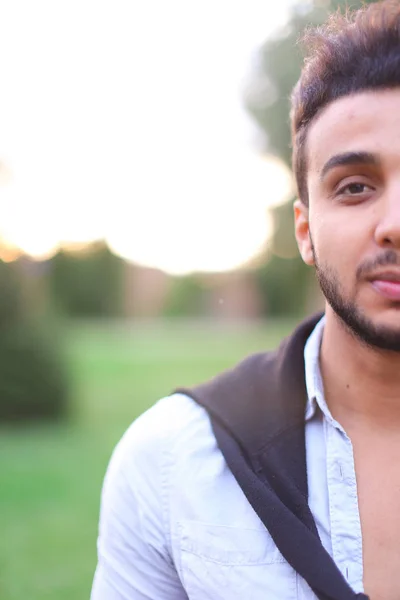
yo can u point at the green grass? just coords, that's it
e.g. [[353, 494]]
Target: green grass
[[51, 476]]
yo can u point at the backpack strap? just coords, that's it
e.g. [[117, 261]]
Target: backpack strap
[[257, 415]]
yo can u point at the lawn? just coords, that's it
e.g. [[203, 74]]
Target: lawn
[[50, 476]]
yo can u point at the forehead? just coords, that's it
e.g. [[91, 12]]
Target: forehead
[[367, 121]]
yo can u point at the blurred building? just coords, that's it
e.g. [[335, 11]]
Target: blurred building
[[234, 295], [145, 291]]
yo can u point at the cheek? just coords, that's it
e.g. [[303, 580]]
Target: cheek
[[342, 241], [336, 244]]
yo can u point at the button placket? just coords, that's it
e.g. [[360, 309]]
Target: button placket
[[343, 506]]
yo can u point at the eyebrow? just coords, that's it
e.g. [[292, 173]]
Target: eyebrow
[[349, 158]]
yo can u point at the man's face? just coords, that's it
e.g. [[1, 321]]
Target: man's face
[[351, 230]]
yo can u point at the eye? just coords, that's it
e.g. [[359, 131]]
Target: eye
[[354, 189]]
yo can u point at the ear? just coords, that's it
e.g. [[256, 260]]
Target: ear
[[302, 231]]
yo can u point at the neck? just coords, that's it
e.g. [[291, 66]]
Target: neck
[[361, 384]]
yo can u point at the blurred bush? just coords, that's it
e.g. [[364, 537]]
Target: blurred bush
[[283, 280], [33, 374], [185, 297], [87, 283], [286, 294]]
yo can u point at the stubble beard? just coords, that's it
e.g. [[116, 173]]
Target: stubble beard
[[351, 316]]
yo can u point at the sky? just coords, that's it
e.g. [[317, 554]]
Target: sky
[[123, 120]]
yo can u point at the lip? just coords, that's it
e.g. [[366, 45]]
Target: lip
[[387, 284], [393, 275]]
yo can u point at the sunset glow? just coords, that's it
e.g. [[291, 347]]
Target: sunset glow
[[150, 150]]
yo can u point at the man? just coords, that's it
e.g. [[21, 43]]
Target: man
[[177, 522]]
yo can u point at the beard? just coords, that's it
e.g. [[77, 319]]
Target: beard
[[350, 314]]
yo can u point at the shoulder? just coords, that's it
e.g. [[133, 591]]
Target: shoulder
[[169, 418], [164, 434], [152, 459], [135, 545]]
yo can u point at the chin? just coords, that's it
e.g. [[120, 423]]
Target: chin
[[381, 333], [377, 329]]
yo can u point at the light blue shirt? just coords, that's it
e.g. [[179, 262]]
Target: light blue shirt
[[175, 525]]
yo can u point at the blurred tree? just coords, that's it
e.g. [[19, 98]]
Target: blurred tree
[[268, 101], [185, 298], [87, 283], [280, 61], [33, 377], [283, 279], [11, 299], [282, 295]]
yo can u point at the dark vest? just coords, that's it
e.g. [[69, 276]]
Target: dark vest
[[257, 415]]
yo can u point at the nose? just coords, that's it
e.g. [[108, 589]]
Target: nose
[[387, 231]]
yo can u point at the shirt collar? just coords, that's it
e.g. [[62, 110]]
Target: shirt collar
[[314, 383]]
